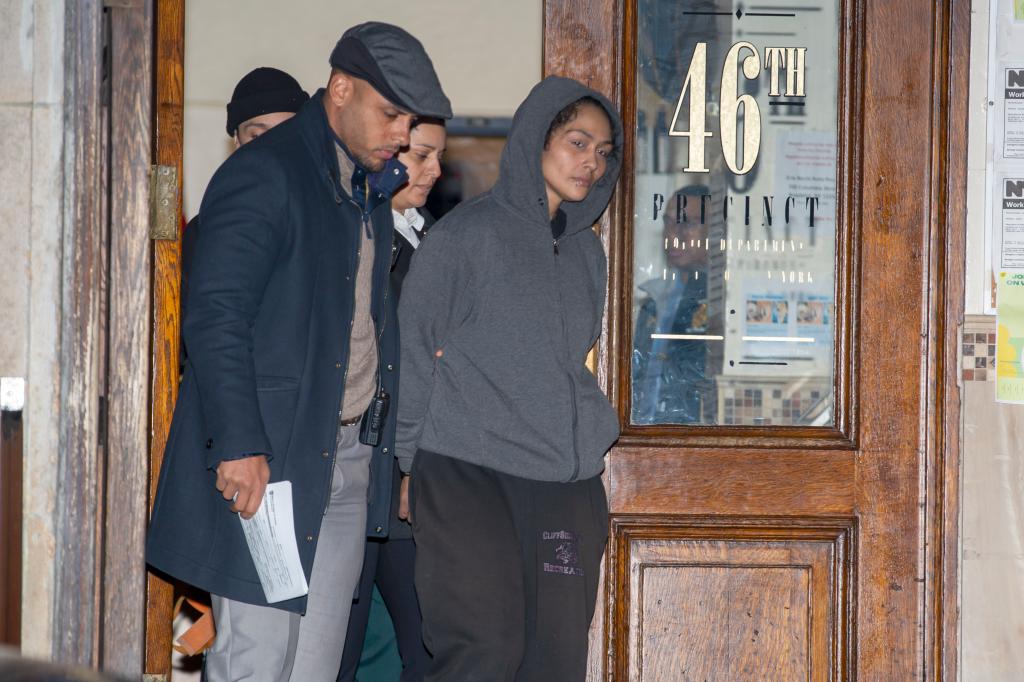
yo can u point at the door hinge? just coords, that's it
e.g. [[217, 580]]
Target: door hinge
[[163, 202]]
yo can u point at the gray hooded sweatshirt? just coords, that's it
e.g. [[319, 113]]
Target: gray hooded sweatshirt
[[514, 314]]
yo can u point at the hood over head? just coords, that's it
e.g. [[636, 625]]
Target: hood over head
[[521, 183]]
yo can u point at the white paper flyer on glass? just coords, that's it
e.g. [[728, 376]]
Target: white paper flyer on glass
[[1011, 223], [1013, 112]]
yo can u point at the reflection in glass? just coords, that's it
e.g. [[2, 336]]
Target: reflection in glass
[[734, 212], [671, 377]]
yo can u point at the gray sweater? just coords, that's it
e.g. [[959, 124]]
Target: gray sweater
[[514, 315]]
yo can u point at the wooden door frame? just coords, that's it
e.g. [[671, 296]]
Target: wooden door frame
[[77, 584], [941, 640], [102, 420], [583, 39], [168, 150]]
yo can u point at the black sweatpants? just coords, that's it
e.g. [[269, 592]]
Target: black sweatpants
[[506, 571]]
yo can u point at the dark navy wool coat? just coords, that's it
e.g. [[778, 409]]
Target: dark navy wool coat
[[270, 306]]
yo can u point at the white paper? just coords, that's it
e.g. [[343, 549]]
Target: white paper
[[1011, 251], [1013, 112], [270, 534]]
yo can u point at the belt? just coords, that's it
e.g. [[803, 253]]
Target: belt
[[351, 422]]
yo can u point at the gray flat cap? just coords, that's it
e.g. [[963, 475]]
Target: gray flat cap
[[395, 64]]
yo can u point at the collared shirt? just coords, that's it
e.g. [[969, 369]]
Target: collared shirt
[[409, 224]]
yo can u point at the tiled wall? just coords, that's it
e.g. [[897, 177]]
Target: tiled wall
[[978, 354], [31, 220]]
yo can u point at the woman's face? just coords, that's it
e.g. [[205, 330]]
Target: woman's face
[[577, 155], [422, 159]]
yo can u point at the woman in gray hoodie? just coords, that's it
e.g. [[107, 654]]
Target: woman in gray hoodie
[[501, 424]]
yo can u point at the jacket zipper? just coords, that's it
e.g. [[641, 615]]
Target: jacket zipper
[[572, 389], [384, 303], [384, 299], [381, 328]]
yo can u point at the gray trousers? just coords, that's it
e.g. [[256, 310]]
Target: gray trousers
[[264, 644]]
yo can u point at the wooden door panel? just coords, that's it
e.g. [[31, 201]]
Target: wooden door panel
[[742, 598], [695, 481], [688, 618]]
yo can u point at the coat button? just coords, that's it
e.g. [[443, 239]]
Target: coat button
[[384, 450], [379, 529], [391, 368], [324, 454], [209, 443], [309, 538], [337, 365]]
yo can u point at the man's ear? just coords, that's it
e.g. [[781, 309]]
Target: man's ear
[[340, 88]]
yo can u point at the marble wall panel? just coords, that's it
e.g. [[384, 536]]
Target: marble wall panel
[[992, 522], [16, 152], [31, 218], [17, 29]]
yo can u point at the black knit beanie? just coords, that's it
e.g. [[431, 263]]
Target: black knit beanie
[[263, 91]]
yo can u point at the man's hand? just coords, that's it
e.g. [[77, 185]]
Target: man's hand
[[403, 500], [247, 478]]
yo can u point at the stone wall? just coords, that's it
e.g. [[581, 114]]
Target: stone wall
[[31, 216]]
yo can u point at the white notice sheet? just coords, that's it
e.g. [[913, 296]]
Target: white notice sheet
[[1011, 251], [270, 534], [1013, 113]]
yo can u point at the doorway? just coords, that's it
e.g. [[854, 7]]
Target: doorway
[[788, 503]]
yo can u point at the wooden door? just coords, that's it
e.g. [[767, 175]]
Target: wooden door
[[771, 548]]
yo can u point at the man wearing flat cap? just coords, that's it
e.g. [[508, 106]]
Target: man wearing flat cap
[[293, 358]]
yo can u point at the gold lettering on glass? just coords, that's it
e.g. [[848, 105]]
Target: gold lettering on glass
[[734, 240]]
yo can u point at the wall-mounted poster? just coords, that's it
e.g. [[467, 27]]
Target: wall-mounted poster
[[1011, 224], [1013, 112], [1010, 338]]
